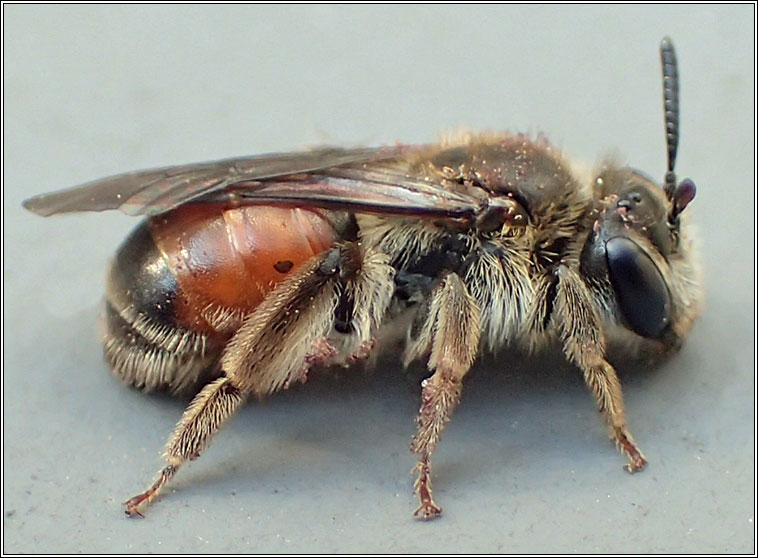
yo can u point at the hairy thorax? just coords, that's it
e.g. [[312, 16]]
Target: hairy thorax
[[508, 267]]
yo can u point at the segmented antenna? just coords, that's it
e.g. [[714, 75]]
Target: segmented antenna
[[671, 110]]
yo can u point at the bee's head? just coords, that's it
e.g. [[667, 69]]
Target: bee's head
[[633, 204], [638, 253]]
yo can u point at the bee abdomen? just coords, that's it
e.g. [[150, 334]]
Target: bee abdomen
[[183, 282], [144, 343], [147, 365]]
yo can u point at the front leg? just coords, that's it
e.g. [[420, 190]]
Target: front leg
[[450, 330], [584, 345]]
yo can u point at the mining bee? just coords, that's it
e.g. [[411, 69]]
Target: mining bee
[[247, 272]]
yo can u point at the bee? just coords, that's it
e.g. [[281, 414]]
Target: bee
[[248, 272]]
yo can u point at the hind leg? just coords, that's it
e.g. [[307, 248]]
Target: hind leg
[[272, 347]]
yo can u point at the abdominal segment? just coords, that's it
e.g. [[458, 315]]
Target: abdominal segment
[[182, 282]]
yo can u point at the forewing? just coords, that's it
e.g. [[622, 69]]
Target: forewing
[[379, 188], [154, 191]]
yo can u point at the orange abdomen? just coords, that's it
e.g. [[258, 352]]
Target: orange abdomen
[[182, 282], [225, 261]]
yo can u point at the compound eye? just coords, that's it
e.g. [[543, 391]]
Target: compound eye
[[641, 292]]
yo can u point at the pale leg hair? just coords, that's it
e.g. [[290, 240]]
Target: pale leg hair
[[271, 349], [450, 332], [584, 345]]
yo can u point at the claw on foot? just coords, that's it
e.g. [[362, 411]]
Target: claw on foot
[[132, 505], [637, 464], [427, 508], [637, 461]]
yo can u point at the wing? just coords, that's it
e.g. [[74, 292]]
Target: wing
[[157, 190], [368, 180], [386, 187]]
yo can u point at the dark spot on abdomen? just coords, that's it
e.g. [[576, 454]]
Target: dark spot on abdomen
[[283, 266]]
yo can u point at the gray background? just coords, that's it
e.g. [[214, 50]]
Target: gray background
[[525, 465]]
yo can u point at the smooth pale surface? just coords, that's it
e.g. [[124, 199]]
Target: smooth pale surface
[[525, 465]]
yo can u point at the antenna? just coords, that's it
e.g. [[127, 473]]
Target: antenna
[[670, 110]]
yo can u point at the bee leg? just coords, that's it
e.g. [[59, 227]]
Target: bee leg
[[363, 351], [267, 353], [584, 345], [215, 403], [322, 354], [451, 333]]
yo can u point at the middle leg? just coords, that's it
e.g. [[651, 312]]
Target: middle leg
[[450, 331]]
